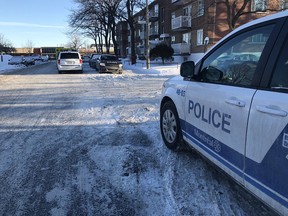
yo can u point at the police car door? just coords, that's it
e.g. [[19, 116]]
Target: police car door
[[267, 136], [217, 105]]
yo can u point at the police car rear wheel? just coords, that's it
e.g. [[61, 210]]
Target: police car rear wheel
[[170, 126]]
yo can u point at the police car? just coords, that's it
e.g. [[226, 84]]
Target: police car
[[232, 107]]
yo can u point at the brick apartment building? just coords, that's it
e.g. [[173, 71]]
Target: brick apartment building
[[190, 26]]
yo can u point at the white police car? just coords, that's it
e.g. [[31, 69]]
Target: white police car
[[232, 107]]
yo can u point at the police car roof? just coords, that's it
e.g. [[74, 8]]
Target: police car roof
[[264, 19], [254, 22]]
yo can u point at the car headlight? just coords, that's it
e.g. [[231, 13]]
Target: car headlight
[[120, 65], [102, 64]]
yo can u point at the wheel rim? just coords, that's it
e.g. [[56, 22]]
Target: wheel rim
[[169, 126]]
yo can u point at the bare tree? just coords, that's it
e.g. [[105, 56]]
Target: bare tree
[[29, 47], [84, 19], [96, 19], [75, 41], [5, 45], [127, 12]]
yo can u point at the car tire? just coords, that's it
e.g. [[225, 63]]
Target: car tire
[[59, 72], [170, 127]]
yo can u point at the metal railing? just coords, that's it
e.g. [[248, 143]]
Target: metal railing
[[181, 22], [181, 48]]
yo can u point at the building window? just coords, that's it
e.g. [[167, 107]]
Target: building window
[[259, 5], [200, 37], [173, 39], [156, 27], [283, 5], [156, 9], [187, 11], [200, 8], [173, 15], [162, 30], [162, 14], [186, 38]]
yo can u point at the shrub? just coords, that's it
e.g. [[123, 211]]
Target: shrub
[[162, 50]]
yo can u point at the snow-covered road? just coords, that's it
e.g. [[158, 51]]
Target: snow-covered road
[[89, 144]]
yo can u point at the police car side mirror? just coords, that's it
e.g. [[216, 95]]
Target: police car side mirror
[[211, 74], [187, 69]]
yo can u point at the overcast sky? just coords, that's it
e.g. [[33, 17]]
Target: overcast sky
[[44, 22]]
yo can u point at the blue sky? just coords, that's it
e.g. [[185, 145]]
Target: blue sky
[[44, 22]]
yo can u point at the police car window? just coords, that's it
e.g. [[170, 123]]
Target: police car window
[[235, 62], [280, 75]]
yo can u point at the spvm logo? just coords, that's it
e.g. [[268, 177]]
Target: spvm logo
[[285, 140]]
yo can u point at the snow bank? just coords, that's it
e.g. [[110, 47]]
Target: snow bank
[[5, 67], [4, 59], [156, 68]]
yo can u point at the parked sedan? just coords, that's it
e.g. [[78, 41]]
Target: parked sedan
[[93, 59], [28, 60], [109, 63], [25, 60], [16, 60]]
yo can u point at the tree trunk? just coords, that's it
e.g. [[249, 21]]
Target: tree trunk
[[133, 48], [130, 20]]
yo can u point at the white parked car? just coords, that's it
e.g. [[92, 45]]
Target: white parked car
[[232, 107], [69, 61]]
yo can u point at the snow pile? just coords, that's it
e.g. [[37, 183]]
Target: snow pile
[[156, 68], [5, 67], [4, 59]]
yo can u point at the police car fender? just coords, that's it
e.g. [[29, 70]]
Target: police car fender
[[175, 90]]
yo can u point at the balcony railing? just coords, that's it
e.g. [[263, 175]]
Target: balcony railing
[[179, 2], [181, 23], [181, 48], [153, 32], [153, 16]]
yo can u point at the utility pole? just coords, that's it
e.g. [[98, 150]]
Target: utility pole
[[147, 37]]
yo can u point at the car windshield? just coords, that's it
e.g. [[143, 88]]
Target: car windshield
[[108, 57], [69, 56]]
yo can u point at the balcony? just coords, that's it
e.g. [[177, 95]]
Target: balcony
[[179, 2], [153, 16], [181, 48], [153, 34], [181, 23]]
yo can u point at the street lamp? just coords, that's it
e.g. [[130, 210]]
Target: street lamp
[[147, 37]]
